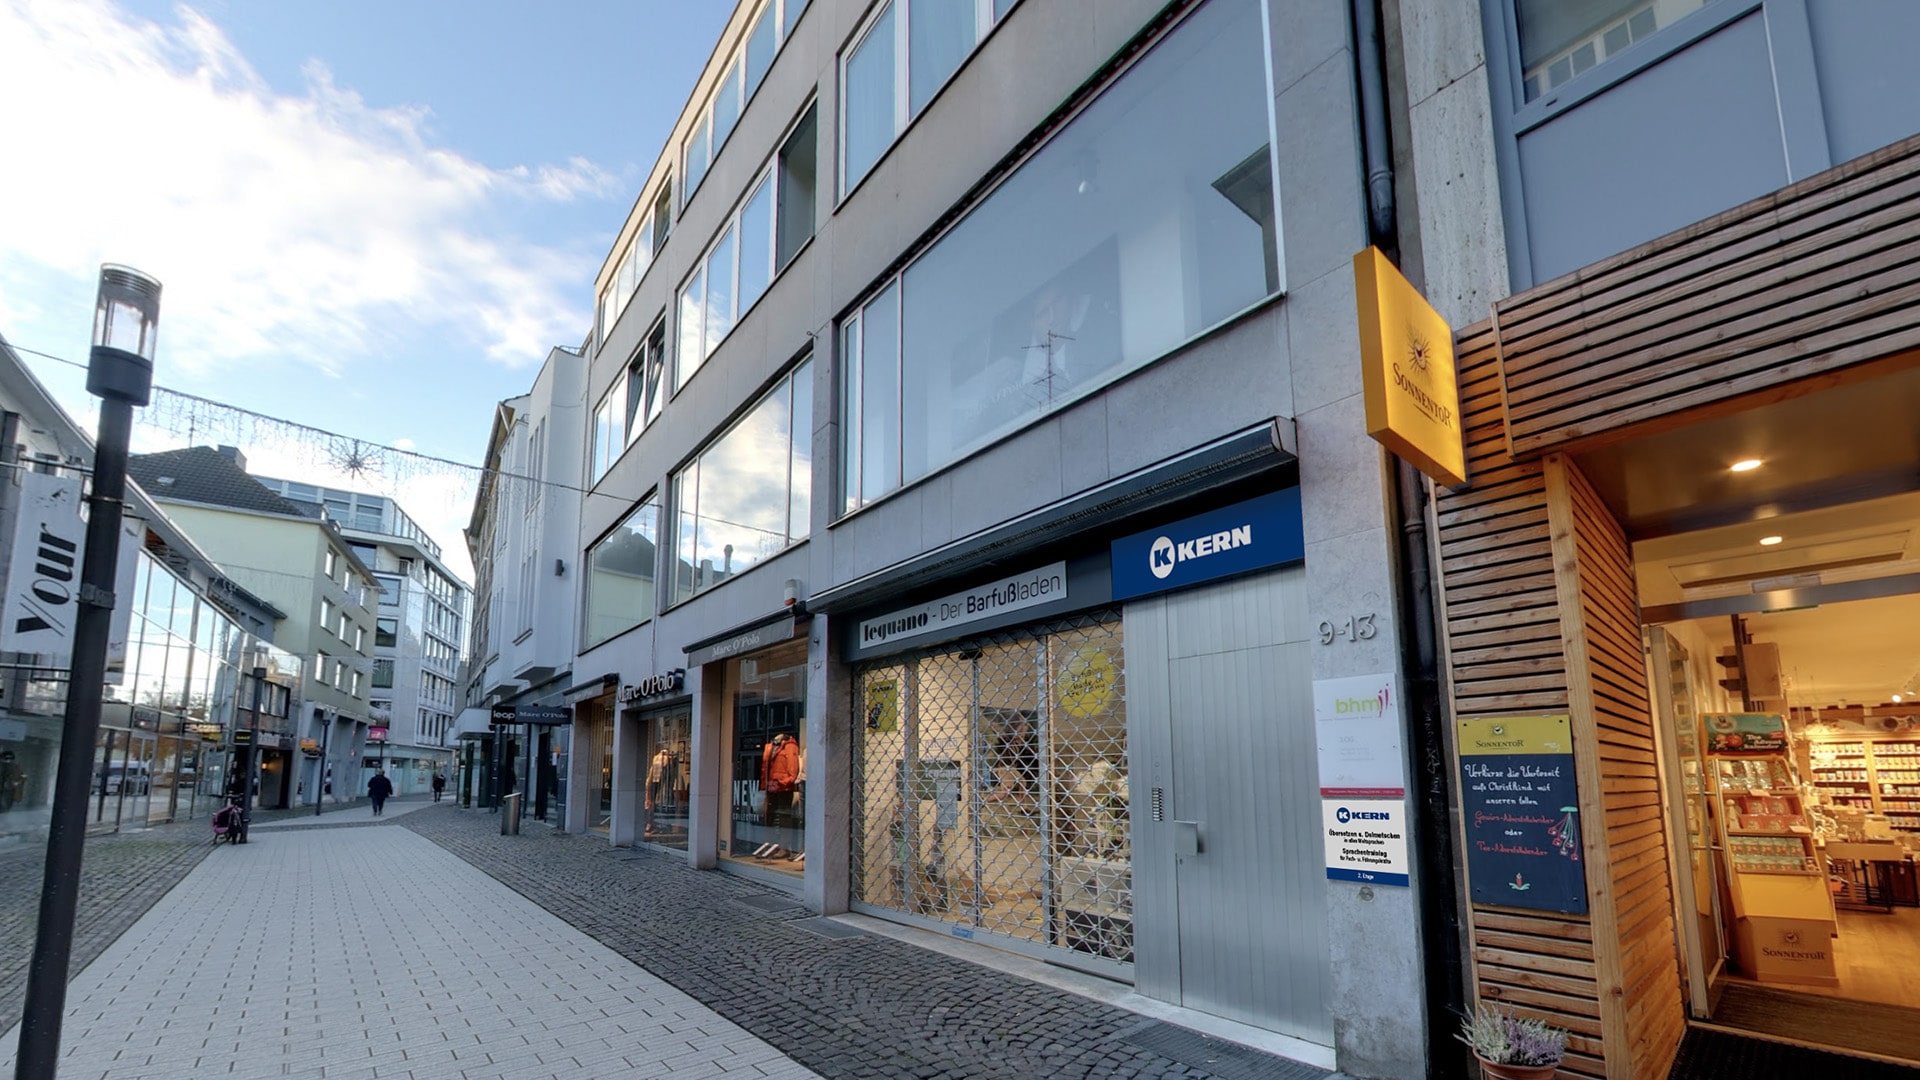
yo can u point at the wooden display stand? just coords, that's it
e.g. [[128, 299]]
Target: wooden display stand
[[1784, 923]]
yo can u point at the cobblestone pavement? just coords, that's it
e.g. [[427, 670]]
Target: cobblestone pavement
[[371, 953], [122, 875], [867, 1006]]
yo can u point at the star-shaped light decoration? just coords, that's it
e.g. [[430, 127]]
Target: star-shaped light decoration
[[353, 457]]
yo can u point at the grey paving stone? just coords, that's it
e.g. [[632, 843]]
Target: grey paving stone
[[868, 1006]]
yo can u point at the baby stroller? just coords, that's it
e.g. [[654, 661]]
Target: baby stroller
[[230, 823]]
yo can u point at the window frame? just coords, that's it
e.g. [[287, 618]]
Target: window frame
[[736, 68], [653, 497], [786, 377], [985, 21], [850, 368], [732, 226]]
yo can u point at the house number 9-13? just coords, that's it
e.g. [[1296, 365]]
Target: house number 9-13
[[1357, 628]]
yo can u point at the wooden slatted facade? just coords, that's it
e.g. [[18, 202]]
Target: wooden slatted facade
[[1814, 280], [1813, 286]]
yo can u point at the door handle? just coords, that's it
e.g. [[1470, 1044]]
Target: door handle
[[1186, 838]]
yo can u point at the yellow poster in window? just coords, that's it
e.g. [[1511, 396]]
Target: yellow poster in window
[[1086, 686]]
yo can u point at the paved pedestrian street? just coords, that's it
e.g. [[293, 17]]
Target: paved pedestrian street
[[372, 953], [427, 946]]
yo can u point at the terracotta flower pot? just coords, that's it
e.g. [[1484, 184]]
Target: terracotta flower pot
[[1496, 1071]]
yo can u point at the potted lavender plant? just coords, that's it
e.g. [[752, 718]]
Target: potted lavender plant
[[1512, 1047]]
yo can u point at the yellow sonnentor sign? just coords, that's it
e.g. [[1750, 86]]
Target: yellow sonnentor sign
[[1406, 362]]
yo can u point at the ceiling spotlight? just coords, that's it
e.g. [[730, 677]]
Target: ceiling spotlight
[[1748, 465], [1769, 541], [1896, 699]]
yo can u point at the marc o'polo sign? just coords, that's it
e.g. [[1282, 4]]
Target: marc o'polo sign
[[1251, 535], [1407, 371], [1045, 585]]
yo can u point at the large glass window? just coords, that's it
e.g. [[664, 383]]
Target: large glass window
[[741, 265], [736, 500], [868, 100], [665, 800], [767, 771], [798, 167], [610, 427], [1146, 220], [386, 633], [1560, 39], [920, 43], [620, 574], [745, 70]]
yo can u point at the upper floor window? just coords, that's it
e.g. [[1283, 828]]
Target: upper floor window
[[333, 564], [902, 57], [1560, 39], [620, 574], [389, 589], [761, 236], [1147, 219], [748, 495], [744, 72], [633, 401], [634, 260]]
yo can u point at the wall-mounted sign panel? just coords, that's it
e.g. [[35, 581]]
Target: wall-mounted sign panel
[[1357, 723], [1522, 813], [1366, 840], [1407, 370], [938, 618], [1252, 535]]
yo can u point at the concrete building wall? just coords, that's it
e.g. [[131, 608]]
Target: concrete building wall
[[1293, 357]]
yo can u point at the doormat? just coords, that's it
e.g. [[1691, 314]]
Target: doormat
[[1886, 1030], [1218, 1057], [1706, 1054]]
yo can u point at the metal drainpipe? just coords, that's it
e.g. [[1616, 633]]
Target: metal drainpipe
[[1440, 930]]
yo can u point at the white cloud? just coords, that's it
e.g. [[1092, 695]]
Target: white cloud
[[312, 224]]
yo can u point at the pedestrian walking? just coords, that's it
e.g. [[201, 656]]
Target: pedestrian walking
[[439, 785], [378, 788]]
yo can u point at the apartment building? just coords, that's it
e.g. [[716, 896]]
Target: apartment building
[[979, 500]]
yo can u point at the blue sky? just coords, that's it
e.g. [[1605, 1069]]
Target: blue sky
[[370, 217]]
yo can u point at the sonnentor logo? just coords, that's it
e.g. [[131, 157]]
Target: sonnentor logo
[[1344, 815], [1160, 559], [1164, 553]]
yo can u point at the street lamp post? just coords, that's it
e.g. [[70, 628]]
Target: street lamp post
[[119, 373]]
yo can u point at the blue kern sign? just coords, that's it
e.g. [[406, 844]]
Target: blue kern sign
[[1261, 532]]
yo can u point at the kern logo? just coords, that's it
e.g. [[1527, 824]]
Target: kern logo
[[1165, 554], [1345, 815]]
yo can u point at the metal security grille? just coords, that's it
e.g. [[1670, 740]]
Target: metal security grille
[[990, 786]]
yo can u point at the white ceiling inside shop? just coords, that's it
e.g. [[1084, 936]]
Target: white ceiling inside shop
[[1838, 484]]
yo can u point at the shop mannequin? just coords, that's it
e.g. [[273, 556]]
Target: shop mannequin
[[780, 775]]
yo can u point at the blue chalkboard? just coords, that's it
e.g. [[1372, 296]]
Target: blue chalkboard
[[1523, 831]]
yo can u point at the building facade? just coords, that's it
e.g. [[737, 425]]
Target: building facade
[[305, 566], [524, 539], [419, 631], [979, 500], [1674, 238], [180, 646]]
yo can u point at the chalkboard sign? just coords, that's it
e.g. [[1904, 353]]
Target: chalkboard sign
[[1522, 812]]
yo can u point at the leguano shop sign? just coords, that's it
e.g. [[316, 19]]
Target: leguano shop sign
[[1046, 585]]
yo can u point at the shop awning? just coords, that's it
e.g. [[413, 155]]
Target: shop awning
[[1266, 447], [771, 629]]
